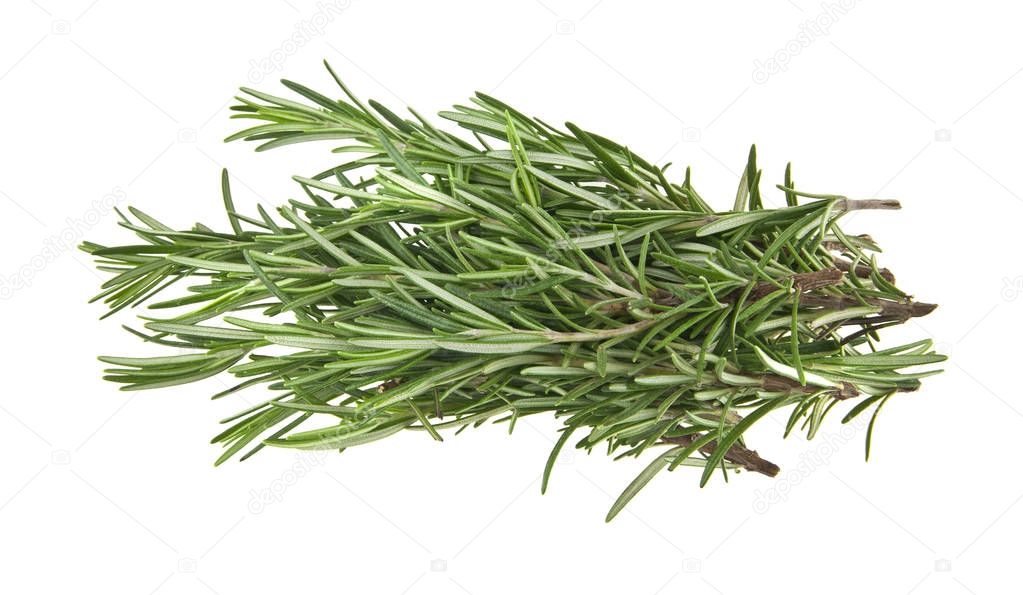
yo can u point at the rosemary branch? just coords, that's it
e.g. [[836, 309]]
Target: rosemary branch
[[433, 280]]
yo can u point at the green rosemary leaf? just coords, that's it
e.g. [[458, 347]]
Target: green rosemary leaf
[[844, 314], [730, 222], [209, 265], [571, 190], [399, 160], [225, 184], [876, 360], [797, 361], [152, 362], [453, 300], [341, 437], [392, 118], [641, 480], [194, 330], [306, 342], [425, 422], [329, 247], [791, 373], [870, 426], [566, 433]]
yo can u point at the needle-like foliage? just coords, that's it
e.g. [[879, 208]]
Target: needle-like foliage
[[434, 280]]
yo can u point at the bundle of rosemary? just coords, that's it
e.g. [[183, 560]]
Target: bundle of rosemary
[[435, 281]]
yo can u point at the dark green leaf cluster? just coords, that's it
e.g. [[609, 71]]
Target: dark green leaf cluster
[[433, 280]]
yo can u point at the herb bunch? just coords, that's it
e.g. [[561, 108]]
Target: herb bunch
[[434, 280]]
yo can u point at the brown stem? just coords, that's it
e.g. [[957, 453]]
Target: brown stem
[[899, 310], [387, 385], [773, 383], [737, 453], [850, 204], [801, 281], [837, 246], [863, 271]]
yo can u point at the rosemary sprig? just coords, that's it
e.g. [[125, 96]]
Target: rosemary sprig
[[433, 281]]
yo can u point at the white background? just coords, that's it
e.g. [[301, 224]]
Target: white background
[[104, 491]]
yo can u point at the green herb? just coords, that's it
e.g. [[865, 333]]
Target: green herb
[[434, 280]]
